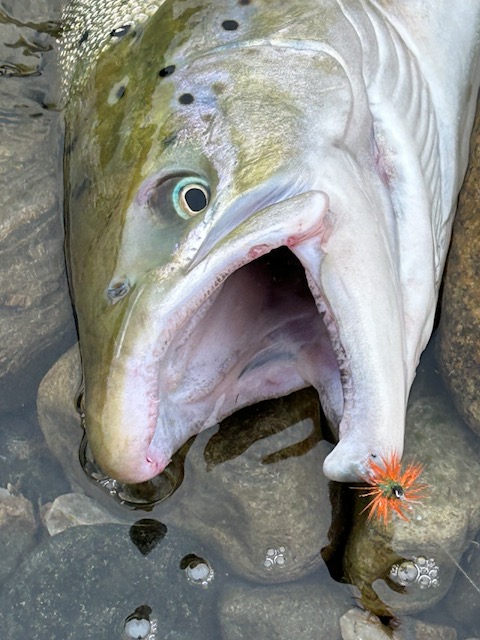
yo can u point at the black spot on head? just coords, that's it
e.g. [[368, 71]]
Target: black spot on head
[[121, 91], [84, 38], [119, 32], [243, 1], [169, 140], [166, 71], [186, 98], [230, 25]]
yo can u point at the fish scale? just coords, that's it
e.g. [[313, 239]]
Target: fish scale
[[88, 28]]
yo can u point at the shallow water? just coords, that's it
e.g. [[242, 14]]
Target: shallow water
[[240, 548]]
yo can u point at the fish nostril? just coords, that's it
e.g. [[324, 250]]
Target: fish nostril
[[118, 289]]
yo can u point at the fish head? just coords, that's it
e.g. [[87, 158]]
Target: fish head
[[229, 241]]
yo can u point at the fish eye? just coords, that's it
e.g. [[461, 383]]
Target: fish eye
[[190, 197]]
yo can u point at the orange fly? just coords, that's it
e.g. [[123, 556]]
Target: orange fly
[[392, 490]]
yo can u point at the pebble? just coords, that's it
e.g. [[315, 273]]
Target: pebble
[[302, 611], [73, 510]]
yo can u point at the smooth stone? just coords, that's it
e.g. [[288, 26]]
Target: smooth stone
[[439, 527], [357, 624], [26, 460], [425, 631], [463, 602], [304, 612], [58, 417], [36, 320], [460, 317], [37, 11], [74, 510], [255, 491], [17, 530], [87, 582]]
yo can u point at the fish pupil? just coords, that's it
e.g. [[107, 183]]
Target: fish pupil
[[196, 199], [230, 25]]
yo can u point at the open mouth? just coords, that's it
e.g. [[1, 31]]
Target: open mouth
[[260, 335], [246, 321]]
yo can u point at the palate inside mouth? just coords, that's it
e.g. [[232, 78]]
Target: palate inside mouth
[[260, 336]]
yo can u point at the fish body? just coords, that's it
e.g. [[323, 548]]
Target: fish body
[[259, 199]]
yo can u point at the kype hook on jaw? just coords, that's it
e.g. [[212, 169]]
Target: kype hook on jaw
[[390, 489]]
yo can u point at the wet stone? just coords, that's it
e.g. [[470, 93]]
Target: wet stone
[[440, 526], [25, 459], [255, 492], [459, 352], [17, 530], [58, 416], [73, 510], [36, 322], [356, 624], [304, 612], [463, 602], [87, 582]]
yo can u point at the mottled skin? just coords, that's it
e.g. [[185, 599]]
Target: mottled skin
[[336, 129]]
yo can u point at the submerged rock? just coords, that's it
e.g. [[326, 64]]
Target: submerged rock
[[17, 530], [357, 624], [460, 312], [438, 531], [26, 460], [304, 612], [463, 602], [255, 490], [74, 510], [88, 582], [36, 321]]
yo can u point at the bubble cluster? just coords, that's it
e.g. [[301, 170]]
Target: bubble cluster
[[419, 570], [91, 26], [274, 557]]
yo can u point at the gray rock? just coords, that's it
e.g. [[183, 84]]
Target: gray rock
[[35, 313], [36, 11], [26, 461], [463, 602], [424, 631], [459, 343], [17, 530], [255, 489], [356, 624], [440, 526], [57, 415], [85, 583], [74, 510], [282, 612]]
